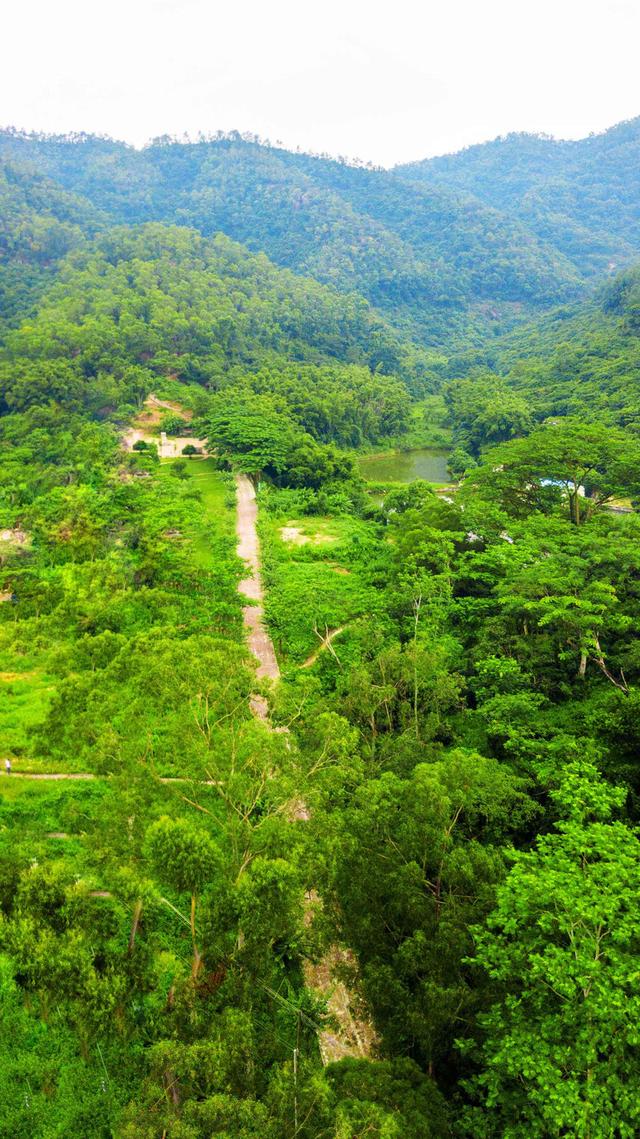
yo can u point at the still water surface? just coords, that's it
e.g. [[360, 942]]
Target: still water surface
[[428, 463]]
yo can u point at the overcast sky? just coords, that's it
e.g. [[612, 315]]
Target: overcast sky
[[387, 83]]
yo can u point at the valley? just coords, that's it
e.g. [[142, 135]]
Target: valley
[[319, 600]]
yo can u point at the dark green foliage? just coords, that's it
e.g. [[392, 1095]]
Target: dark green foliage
[[254, 437], [560, 1044], [39, 224], [578, 361], [417, 860]]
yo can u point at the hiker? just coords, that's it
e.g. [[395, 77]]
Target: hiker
[[7, 766]]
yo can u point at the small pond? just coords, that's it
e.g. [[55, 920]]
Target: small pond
[[428, 463]]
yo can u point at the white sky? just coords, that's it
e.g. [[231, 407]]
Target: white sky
[[385, 82]]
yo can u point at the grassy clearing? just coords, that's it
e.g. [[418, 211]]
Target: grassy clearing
[[318, 532], [25, 693], [216, 515], [316, 585], [49, 820], [27, 688]]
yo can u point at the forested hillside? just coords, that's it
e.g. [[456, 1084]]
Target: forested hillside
[[581, 361], [582, 197], [437, 265], [386, 887], [39, 224]]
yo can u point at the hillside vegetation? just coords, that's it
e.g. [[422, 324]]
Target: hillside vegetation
[[393, 893], [578, 361], [580, 197], [436, 264]]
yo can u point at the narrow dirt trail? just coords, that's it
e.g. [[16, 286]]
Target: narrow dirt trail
[[352, 1034], [51, 775], [185, 412], [250, 587]]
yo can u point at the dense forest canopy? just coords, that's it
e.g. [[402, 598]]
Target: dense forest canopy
[[579, 360], [435, 263], [391, 891], [581, 197]]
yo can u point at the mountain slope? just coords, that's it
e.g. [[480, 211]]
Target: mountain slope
[[581, 196], [157, 302], [435, 263], [39, 224], [582, 360]]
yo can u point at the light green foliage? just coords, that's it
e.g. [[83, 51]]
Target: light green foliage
[[560, 1043], [182, 855], [446, 783], [319, 585], [588, 464]]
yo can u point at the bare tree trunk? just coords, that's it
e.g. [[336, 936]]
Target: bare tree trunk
[[135, 924], [196, 964], [417, 603], [621, 684]]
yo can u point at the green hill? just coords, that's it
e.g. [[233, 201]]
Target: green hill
[[581, 197], [39, 224], [436, 263], [394, 892], [580, 360]]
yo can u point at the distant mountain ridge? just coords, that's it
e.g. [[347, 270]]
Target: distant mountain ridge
[[581, 196], [438, 264]]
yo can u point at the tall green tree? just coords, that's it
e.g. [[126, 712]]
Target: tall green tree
[[560, 1046]]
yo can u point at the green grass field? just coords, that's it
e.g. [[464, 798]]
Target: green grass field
[[49, 820], [24, 697], [315, 579], [217, 510]]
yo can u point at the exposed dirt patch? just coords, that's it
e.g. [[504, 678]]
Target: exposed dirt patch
[[146, 428], [156, 405], [293, 534], [50, 775], [297, 537], [334, 978], [15, 537]]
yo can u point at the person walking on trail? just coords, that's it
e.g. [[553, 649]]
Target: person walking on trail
[[7, 766]]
